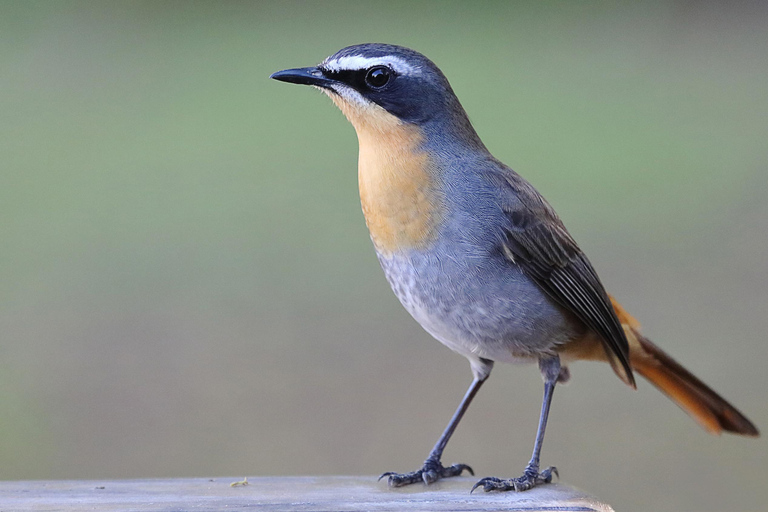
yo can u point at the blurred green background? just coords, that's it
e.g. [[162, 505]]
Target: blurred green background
[[187, 287]]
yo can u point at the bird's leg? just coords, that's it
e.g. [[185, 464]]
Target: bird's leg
[[433, 470], [550, 370]]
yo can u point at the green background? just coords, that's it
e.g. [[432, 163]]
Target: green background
[[187, 287]]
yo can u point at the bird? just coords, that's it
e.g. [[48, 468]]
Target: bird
[[477, 256]]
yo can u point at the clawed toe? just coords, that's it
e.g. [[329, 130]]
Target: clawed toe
[[431, 472], [530, 479]]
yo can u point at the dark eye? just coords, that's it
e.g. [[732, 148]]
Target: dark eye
[[377, 77]]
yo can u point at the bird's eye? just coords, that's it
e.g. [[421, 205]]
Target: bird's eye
[[377, 77]]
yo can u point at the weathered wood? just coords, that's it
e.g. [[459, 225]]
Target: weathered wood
[[301, 494]]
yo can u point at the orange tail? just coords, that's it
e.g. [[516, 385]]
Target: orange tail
[[705, 406]]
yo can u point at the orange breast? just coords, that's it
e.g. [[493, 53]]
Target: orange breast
[[398, 187]]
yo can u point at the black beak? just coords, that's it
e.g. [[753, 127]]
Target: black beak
[[303, 76]]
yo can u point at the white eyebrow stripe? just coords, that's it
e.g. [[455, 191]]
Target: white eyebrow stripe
[[354, 62]]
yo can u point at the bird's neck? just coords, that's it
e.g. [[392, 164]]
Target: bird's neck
[[398, 181]]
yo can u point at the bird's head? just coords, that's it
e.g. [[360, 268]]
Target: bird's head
[[379, 85]]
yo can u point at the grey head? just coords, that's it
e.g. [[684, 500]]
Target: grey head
[[402, 81]]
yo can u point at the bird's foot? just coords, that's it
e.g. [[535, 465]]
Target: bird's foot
[[530, 479], [431, 472]]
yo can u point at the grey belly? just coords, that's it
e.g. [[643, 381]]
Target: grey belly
[[480, 307]]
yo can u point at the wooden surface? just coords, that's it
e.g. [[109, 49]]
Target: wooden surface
[[322, 494]]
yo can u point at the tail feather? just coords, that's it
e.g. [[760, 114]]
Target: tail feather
[[708, 408], [703, 404]]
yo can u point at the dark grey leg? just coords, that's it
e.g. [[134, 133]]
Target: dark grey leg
[[433, 470], [550, 369]]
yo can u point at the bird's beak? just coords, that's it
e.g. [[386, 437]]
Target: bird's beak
[[303, 76]]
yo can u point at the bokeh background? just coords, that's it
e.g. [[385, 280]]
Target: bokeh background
[[187, 287]]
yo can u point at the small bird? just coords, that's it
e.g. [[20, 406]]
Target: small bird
[[477, 256]]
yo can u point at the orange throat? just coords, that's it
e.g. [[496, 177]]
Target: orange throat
[[398, 189]]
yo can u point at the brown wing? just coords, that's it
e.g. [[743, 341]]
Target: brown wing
[[536, 240]]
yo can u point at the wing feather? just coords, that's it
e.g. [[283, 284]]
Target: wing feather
[[536, 240]]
